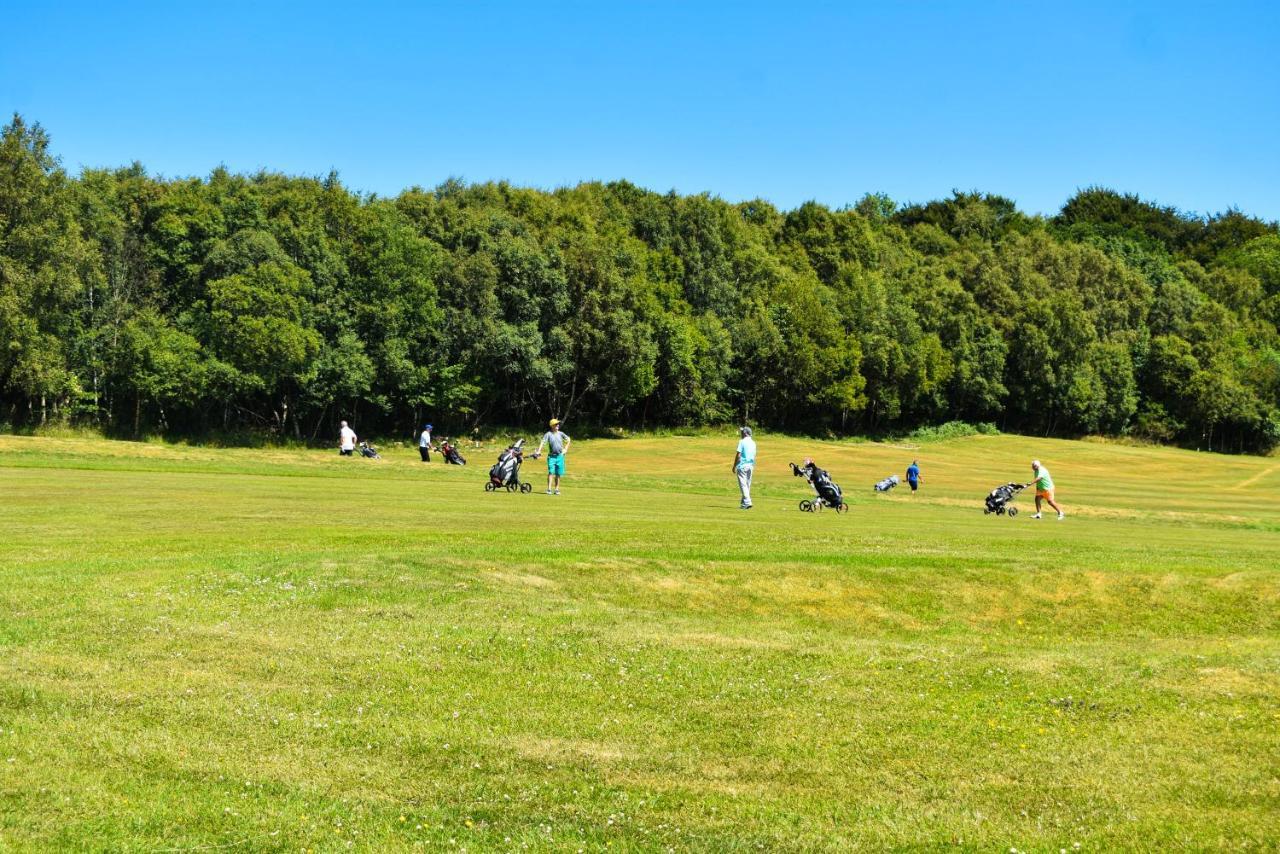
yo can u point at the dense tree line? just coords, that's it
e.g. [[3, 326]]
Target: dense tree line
[[279, 304]]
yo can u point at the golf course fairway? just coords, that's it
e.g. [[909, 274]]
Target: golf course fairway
[[238, 649]]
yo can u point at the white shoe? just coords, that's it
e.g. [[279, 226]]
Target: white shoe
[[1061, 516], [549, 492], [557, 492], [1037, 516]]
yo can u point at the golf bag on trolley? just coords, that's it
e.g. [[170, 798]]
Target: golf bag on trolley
[[999, 499], [888, 483], [505, 473], [826, 491], [367, 450], [451, 455]]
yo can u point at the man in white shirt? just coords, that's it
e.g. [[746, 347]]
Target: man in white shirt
[[744, 462], [424, 443], [346, 440]]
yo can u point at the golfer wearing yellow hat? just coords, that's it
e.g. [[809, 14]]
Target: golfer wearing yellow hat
[[557, 444]]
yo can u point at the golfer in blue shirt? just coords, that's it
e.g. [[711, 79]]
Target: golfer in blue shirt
[[913, 475], [744, 463]]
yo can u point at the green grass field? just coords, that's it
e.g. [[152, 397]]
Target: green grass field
[[283, 650]]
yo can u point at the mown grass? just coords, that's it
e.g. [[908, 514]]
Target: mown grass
[[284, 650]]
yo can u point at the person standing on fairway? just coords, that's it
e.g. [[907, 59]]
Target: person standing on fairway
[[346, 440], [424, 443], [744, 463], [913, 475], [558, 445], [1044, 489]]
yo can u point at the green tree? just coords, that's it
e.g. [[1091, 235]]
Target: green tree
[[45, 265]]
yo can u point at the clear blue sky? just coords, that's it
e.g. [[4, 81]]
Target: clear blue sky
[[1179, 102]]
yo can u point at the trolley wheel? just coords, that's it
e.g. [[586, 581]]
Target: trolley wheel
[[512, 487], [843, 508], [806, 506], [1013, 511], [526, 488], [986, 511], [488, 487]]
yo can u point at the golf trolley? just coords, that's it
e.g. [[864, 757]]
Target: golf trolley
[[887, 484], [1000, 500], [825, 491], [505, 473]]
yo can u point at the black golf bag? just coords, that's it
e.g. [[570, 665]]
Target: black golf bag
[[367, 450], [826, 492], [999, 499], [505, 473]]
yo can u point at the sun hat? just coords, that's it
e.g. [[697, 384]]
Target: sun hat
[[745, 431], [555, 422]]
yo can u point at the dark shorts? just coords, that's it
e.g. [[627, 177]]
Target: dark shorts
[[343, 453], [913, 484]]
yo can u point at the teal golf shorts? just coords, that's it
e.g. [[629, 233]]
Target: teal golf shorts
[[555, 464]]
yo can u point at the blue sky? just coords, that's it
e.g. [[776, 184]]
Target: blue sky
[[1179, 102]]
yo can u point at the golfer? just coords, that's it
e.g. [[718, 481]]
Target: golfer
[[346, 440], [744, 463], [913, 475], [1044, 489], [424, 443], [557, 444]]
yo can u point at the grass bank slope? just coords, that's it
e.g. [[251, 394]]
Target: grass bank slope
[[278, 650]]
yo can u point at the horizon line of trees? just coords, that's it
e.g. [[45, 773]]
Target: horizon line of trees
[[279, 304]]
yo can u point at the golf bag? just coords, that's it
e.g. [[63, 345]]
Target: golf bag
[[505, 473], [888, 483], [826, 491], [999, 499], [367, 450], [451, 455]]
